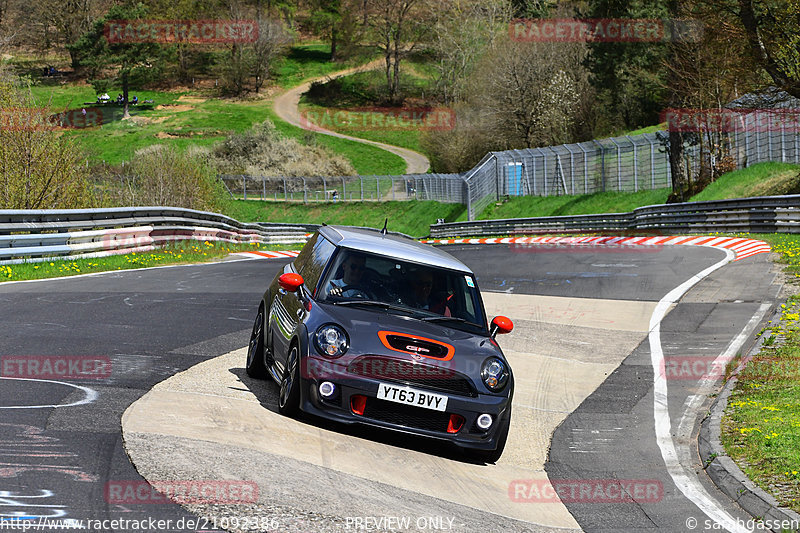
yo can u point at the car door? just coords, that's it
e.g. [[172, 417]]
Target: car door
[[288, 309]]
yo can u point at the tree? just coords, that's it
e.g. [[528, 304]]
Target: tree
[[461, 32], [629, 76], [271, 43], [131, 60], [39, 167], [396, 28], [69, 19], [326, 15], [772, 29], [528, 93], [703, 75]]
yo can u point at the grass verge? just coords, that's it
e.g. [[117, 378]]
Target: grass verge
[[367, 160], [410, 217], [761, 426], [182, 252], [762, 179], [579, 204]]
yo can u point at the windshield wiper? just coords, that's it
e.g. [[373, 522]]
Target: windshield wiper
[[374, 303]]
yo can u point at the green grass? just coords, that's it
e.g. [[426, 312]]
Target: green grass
[[367, 160], [410, 217], [761, 426], [312, 61], [762, 179], [176, 253], [193, 120], [584, 204], [367, 89]]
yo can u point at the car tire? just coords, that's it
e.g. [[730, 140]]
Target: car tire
[[491, 456], [289, 396], [255, 366]]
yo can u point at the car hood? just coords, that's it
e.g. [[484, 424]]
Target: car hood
[[368, 330]]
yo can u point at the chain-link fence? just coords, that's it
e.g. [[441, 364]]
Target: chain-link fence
[[621, 164], [630, 163], [446, 188]]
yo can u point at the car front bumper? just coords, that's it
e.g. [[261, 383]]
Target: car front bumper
[[406, 418]]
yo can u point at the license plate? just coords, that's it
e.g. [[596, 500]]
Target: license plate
[[409, 396]]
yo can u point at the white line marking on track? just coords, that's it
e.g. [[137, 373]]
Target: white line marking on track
[[687, 482], [90, 395]]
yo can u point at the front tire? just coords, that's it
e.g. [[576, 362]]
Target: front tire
[[255, 350], [289, 397]]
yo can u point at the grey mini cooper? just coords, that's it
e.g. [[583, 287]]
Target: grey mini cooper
[[372, 328]]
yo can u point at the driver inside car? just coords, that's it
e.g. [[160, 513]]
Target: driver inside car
[[421, 286], [350, 284]]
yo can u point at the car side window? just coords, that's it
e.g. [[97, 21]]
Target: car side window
[[305, 254], [312, 266]]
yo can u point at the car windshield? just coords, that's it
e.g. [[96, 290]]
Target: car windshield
[[427, 293]]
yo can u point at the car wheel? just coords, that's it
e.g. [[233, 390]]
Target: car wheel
[[289, 398], [491, 456], [255, 350]]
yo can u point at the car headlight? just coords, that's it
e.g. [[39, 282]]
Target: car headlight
[[494, 374], [331, 340]]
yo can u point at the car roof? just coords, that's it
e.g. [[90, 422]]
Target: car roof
[[395, 246]]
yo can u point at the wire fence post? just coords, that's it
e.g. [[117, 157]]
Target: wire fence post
[[305, 192], [244, 186], [263, 188], [635, 165]]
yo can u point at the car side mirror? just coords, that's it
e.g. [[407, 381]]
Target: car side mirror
[[500, 325], [290, 281]]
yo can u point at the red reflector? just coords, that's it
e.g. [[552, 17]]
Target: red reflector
[[455, 424], [358, 403]]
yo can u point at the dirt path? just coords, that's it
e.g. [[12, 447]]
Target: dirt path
[[285, 106]]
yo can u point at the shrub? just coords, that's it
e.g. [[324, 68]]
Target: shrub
[[40, 167], [163, 176], [263, 151]]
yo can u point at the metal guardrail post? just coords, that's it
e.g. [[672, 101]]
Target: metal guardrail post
[[619, 164], [244, 186], [602, 164], [635, 165], [305, 192]]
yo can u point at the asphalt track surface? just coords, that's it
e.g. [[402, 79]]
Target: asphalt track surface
[[56, 462]]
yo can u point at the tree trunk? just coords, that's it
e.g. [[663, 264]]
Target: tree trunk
[[676, 163], [125, 113], [333, 45]]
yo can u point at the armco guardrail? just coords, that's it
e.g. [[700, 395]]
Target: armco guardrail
[[34, 235], [769, 214]]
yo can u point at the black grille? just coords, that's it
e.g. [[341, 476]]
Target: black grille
[[422, 347], [406, 415], [439, 378]]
